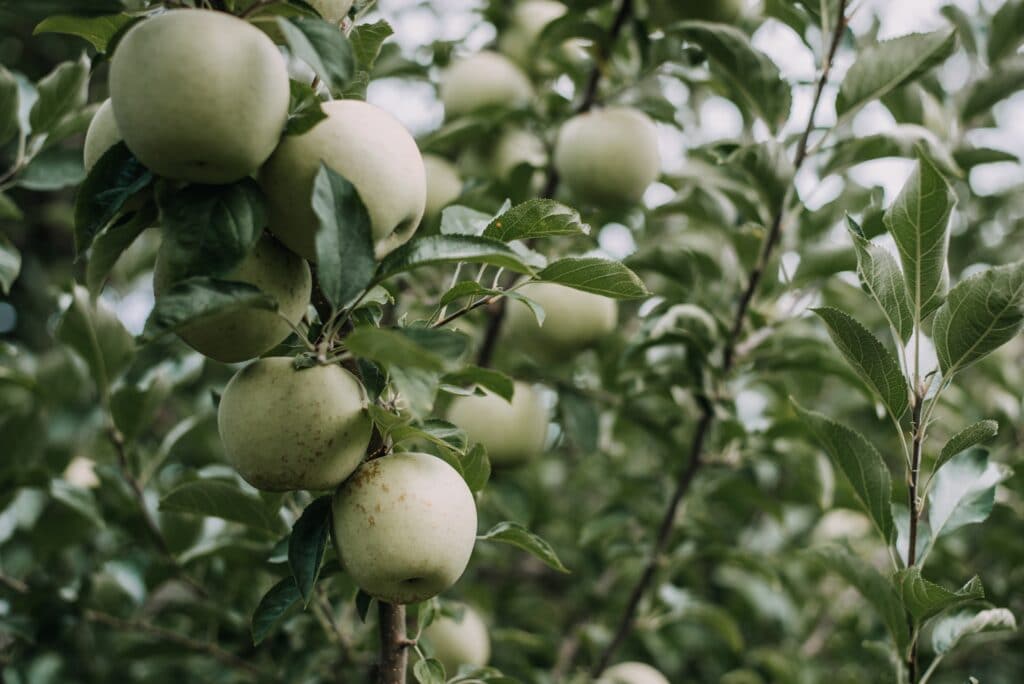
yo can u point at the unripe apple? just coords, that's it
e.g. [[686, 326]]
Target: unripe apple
[[517, 146], [331, 10], [101, 135], [528, 21], [443, 184], [404, 527], [285, 429], [632, 673], [242, 334], [199, 96], [608, 156], [512, 432], [482, 80], [665, 12], [459, 642], [572, 319], [367, 146]]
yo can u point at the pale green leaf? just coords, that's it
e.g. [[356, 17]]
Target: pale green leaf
[[881, 277], [951, 629]]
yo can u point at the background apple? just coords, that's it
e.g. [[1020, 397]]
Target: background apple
[[101, 135], [404, 526], [632, 673], [517, 146], [459, 642], [511, 432], [198, 95], [242, 334], [331, 10], [572, 319], [293, 429], [528, 20], [367, 146], [608, 156], [443, 184], [481, 80]]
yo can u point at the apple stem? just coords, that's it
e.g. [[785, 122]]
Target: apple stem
[[394, 644]]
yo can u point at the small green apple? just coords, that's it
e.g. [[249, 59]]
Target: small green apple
[[331, 10], [528, 21], [608, 156], [198, 95], [101, 135], [404, 527], [632, 673], [242, 334], [517, 146], [459, 642], [443, 184], [665, 12], [286, 429], [367, 146], [573, 319], [512, 432], [482, 80]]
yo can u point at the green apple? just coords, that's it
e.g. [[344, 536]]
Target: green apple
[[404, 527], [367, 146], [632, 673], [517, 146], [459, 642], [443, 184], [528, 21], [572, 319], [101, 135], [242, 334], [665, 12], [481, 80], [198, 95], [512, 432], [608, 156], [331, 10], [286, 429]]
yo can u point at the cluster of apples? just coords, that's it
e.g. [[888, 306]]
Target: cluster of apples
[[202, 97]]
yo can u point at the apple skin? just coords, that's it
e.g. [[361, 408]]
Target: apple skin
[[608, 156], [632, 673], [101, 135], [287, 429], [444, 185], [512, 433], [465, 642], [481, 80], [198, 95], [367, 146], [404, 527], [666, 12], [528, 21], [515, 147], [244, 334], [331, 10], [573, 320]]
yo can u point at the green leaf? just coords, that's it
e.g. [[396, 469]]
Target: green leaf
[[476, 468], [748, 71], [197, 297], [323, 47], [97, 30], [860, 462], [923, 599], [868, 356], [366, 40], [516, 534], [885, 66], [768, 170], [982, 313], [1005, 33], [901, 516], [113, 180], [273, 607], [964, 491], [9, 104], [429, 671], [111, 242], [344, 240], [535, 219], [597, 276], [77, 499], [60, 92], [460, 220], [429, 349], [304, 109], [222, 499], [581, 421], [95, 334], [983, 94], [901, 140], [918, 220], [881, 277], [133, 405], [52, 169], [969, 157], [10, 264], [9, 211], [307, 543], [872, 585], [447, 249], [492, 380], [466, 288], [951, 629], [972, 435], [209, 229]]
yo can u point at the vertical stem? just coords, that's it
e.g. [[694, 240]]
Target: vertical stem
[[394, 644], [915, 514]]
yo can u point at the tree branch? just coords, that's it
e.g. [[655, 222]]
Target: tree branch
[[688, 472], [915, 513], [394, 644]]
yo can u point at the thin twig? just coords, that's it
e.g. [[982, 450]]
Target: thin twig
[[394, 644]]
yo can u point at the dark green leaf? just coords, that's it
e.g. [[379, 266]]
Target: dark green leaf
[[60, 92], [273, 606], [983, 94], [923, 599], [198, 297], [223, 499], [494, 381], [323, 47], [901, 140], [881, 277], [366, 40], [77, 499], [304, 109], [1006, 32], [476, 468], [97, 30], [597, 276], [53, 169], [10, 264], [581, 420], [516, 534], [535, 219], [429, 671], [344, 241], [111, 242], [307, 543], [96, 335], [113, 180], [972, 435], [9, 102], [446, 249], [768, 170], [429, 349]]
